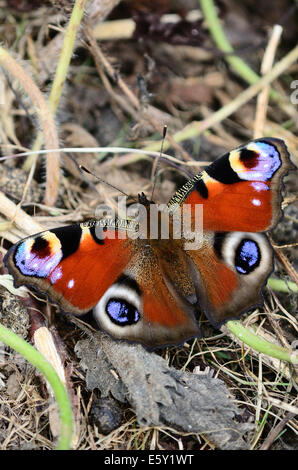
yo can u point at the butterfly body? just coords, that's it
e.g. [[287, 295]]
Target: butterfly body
[[150, 288]]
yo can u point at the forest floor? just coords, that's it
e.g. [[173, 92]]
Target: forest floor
[[146, 65]]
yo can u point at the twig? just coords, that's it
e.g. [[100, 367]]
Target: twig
[[286, 263], [110, 70], [18, 216], [276, 431], [114, 30], [263, 97], [283, 405], [124, 104], [105, 150]]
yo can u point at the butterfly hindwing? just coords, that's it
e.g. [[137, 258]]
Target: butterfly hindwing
[[230, 272], [144, 306]]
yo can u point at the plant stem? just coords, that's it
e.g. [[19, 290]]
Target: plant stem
[[53, 169], [66, 53], [259, 344], [282, 286], [217, 33], [49, 133], [196, 128], [38, 361], [236, 62]]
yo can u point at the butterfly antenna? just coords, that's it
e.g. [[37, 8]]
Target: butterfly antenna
[[157, 161], [83, 168]]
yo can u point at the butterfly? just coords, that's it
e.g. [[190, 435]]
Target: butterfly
[[150, 290]]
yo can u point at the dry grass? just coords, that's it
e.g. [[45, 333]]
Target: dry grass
[[107, 108]]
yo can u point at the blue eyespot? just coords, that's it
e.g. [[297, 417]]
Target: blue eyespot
[[269, 159], [247, 256], [122, 312]]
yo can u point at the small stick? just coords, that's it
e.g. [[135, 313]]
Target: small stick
[[130, 157], [156, 162], [276, 431], [18, 216], [286, 263], [263, 97]]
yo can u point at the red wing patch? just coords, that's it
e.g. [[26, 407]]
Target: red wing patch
[[241, 190], [244, 206], [217, 283]]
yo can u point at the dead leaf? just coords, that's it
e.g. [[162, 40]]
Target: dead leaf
[[162, 395]]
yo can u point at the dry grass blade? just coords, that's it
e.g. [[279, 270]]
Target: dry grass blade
[[211, 393], [263, 97], [286, 263], [50, 136]]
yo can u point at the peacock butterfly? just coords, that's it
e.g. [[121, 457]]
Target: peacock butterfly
[[148, 289]]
